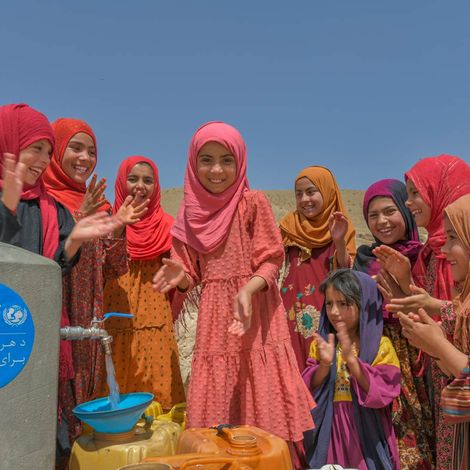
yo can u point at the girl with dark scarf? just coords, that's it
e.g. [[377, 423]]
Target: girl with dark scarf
[[354, 375], [432, 184], [392, 224]]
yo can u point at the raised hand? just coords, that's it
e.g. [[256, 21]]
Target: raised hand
[[94, 226], [89, 228], [388, 286], [348, 350], [396, 264], [421, 331], [131, 212], [13, 180], [326, 350], [419, 299], [169, 276], [93, 198], [242, 311], [338, 225]]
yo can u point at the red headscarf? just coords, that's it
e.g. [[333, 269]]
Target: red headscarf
[[151, 236], [203, 218], [440, 181], [63, 188], [20, 126]]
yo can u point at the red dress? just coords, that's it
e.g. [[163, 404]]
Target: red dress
[[253, 379]]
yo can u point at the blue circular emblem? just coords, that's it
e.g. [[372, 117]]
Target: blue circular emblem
[[16, 334]]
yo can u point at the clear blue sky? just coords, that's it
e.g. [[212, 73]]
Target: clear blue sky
[[362, 87]]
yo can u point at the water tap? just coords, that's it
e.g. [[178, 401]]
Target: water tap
[[74, 333]]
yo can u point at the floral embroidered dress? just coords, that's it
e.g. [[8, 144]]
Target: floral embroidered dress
[[100, 261], [310, 256], [301, 294]]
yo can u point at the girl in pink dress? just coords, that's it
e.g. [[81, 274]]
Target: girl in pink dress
[[244, 369]]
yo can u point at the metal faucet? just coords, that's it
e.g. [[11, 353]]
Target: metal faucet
[[93, 332]]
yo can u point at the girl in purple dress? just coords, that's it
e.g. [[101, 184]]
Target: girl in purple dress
[[354, 374]]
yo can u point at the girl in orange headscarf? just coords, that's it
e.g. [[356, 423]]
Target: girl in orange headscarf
[[145, 352], [318, 237]]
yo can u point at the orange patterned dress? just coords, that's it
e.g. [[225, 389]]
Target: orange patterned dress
[[145, 352]]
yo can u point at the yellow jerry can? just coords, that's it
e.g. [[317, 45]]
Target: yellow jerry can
[[112, 451], [177, 414]]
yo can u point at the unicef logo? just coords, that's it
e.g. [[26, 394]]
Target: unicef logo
[[14, 315]]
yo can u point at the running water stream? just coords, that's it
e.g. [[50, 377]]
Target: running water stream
[[112, 384]]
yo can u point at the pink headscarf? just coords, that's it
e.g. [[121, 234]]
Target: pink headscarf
[[203, 217]]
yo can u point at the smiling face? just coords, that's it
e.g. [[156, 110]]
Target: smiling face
[[385, 220], [340, 311], [415, 203], [36, 157], [308, 198], [79, 158], [216, 167], [140, 182], [455, 252]]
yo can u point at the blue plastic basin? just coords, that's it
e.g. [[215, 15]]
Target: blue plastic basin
[[99, 415]]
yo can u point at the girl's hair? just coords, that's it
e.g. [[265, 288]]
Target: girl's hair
[[344, 281]]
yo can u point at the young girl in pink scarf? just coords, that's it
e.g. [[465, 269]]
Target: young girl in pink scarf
[[225, 238]]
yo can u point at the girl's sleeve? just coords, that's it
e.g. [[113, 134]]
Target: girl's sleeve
[[383, 376], [312, 364], [448, 317], [66, 224], [188, 257], [9, 224], [116, 262], [268, 250]]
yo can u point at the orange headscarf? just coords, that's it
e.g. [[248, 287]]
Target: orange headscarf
[[57, 182], [459, 215], [307, 234]]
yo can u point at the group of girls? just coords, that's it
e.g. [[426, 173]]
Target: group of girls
[[332, 355]]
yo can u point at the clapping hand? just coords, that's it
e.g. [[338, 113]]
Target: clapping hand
[[169, 276], [93, 198], [13, 180]]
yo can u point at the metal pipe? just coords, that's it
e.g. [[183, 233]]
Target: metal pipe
[[73, 333]]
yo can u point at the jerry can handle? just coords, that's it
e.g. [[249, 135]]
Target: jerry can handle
[[234, 465]]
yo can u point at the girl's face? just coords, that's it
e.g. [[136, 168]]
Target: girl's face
[[79, 158], [340, 312], [216, 167], [455, 252], [140, 182], [308, 198], [385, 220], [419, 209], [36, 157]]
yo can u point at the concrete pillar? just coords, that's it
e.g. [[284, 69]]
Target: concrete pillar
[[28, 403]]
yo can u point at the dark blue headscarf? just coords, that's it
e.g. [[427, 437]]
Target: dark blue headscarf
[[368, 421]]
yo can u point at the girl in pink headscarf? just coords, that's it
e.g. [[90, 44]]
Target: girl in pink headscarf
[[244, 369]]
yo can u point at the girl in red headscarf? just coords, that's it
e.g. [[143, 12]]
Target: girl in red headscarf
[[244, 369], [72, 163], [32, 219], [145, 352], [432, 184]]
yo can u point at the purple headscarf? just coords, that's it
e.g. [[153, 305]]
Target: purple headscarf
[[368, 422], [365, 260]]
